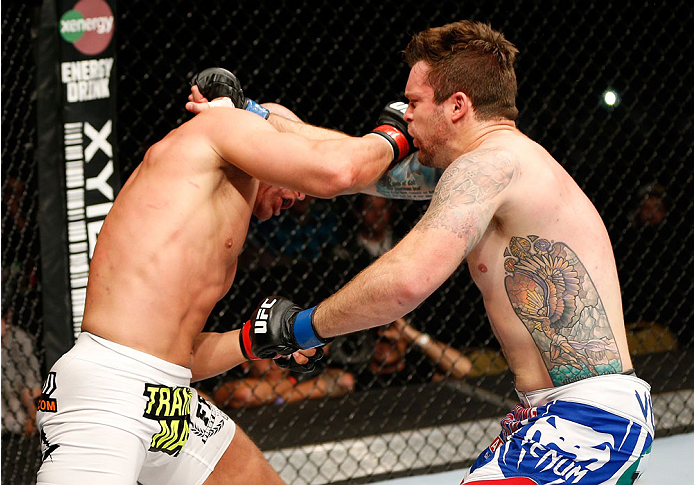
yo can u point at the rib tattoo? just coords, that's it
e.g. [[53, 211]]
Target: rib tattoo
[[553, 295]]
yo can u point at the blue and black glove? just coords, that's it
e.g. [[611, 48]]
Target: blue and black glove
[[216, 82], [278, 326]]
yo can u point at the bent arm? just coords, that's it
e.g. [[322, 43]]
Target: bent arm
[[448, 359], [466, 198]]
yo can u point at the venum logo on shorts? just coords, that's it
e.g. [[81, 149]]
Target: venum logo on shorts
[[170, 406], [45, 403]]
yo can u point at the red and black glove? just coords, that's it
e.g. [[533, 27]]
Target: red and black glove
[[278, 326], [392, 126]]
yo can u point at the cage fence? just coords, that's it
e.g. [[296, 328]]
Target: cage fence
[[379, 406]]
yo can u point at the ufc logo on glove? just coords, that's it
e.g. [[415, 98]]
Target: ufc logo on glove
[[261, 317], [399, 106]]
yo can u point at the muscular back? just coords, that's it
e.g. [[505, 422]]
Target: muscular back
[[167, 251], [542, 260]]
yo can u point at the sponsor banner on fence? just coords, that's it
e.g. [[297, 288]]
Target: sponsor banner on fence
[[85, 159]]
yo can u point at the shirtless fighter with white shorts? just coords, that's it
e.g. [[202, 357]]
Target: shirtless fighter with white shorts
[[118, 407], [536, 248]]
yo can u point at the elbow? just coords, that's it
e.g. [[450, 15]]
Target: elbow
[[339, 178], [410, 291]]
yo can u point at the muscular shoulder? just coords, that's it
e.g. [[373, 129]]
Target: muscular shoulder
[[225, 119], [470, 192], [479, 176]]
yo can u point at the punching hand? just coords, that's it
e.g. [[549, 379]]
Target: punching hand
[[392, 126], [291, 363], [278, 326], [216, 82]]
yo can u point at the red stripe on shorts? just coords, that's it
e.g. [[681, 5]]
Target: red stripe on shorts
[[505, 481]]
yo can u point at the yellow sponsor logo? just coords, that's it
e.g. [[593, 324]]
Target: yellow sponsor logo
[[171, 407]]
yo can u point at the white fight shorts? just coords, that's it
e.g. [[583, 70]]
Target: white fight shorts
[[110, 414], [597, 431]]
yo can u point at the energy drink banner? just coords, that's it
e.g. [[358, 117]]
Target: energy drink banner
[[78, 169]]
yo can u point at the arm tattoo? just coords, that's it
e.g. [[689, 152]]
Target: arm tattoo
[[553, 295], [409, 179], [460, 202]]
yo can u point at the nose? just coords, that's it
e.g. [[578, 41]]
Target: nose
[[408, 114]]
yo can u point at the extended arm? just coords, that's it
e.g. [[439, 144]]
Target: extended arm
[[406, 179], [466, 198], [322, 168], [215, 353], [285, 120]]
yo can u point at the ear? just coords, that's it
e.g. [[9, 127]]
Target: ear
[[461, 105]]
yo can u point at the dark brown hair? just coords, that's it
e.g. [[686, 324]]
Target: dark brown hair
[[473, 58]]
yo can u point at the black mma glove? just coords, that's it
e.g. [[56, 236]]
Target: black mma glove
[[278, 326], [216, 82], [392, 126]]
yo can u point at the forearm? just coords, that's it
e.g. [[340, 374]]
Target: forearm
[[286, 125], [408, 179], [391, 287], [376, 296], [215, 353], [368, 166]]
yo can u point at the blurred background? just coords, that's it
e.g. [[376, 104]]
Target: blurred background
[[605, 87]]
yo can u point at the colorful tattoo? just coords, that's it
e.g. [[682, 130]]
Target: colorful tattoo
[[409, 179], [555, 298]]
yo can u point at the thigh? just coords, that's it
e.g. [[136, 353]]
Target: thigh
[[89, 453], [208, 439], [243, 462]]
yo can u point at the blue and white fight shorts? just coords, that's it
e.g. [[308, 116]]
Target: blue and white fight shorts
[[113, 415], [597, 431]]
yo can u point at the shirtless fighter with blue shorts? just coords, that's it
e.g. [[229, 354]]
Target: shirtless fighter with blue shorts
[[536, 248]]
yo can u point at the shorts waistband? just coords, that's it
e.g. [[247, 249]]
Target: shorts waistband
[[89, 342], [620, 393]]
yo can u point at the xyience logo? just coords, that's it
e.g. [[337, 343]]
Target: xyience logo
[[88, 26]]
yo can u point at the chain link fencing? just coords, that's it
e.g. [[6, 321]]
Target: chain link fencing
[[379, 408]]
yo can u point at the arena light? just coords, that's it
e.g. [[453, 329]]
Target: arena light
[[610, 98]]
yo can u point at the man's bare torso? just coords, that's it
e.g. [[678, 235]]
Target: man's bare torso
[[547, 274], [168, 249]]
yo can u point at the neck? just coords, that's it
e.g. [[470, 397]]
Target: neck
[[473, 139]]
